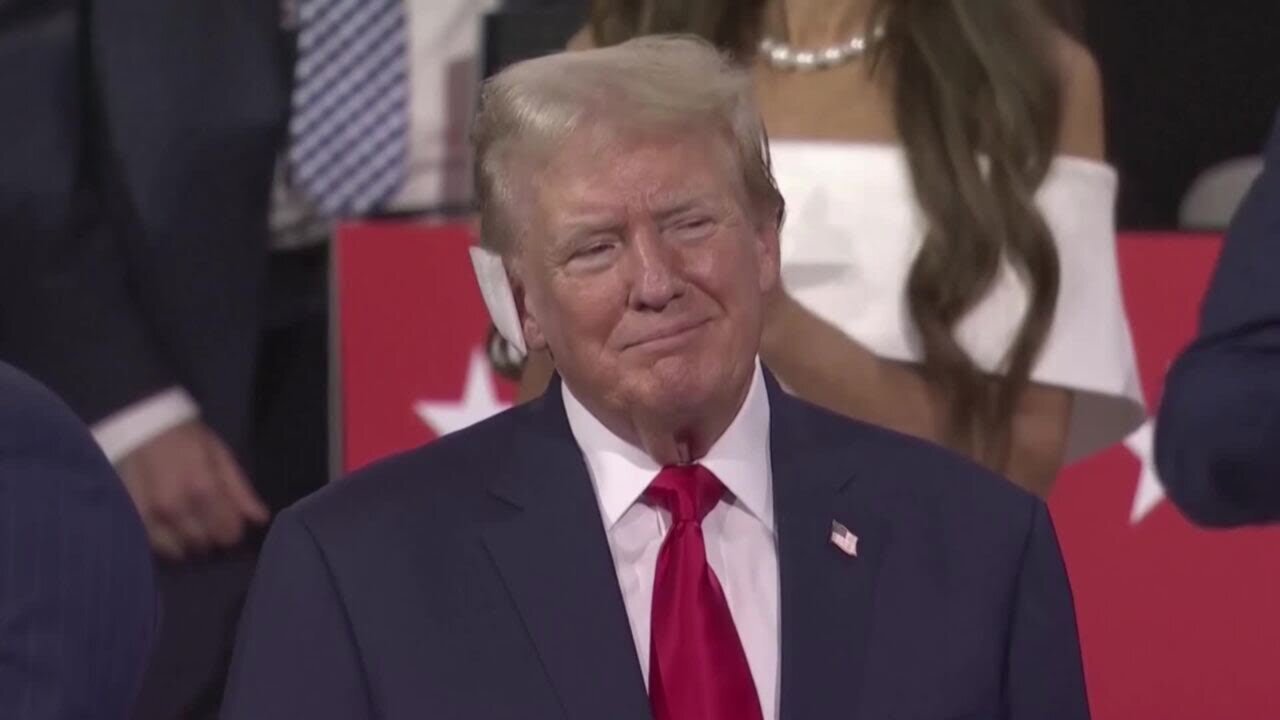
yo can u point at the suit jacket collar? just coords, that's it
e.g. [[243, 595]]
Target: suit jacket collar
[[554, 557], [621, 472]]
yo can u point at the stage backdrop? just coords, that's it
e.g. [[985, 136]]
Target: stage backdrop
[[1175, 622]]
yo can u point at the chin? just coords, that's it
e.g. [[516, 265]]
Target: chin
[[676, 388]]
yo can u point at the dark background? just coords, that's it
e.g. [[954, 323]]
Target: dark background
[[1187, 85]]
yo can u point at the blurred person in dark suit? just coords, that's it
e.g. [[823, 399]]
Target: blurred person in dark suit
[[77, 597], [169, 176], [1218, 434]]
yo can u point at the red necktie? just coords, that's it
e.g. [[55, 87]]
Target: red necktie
[[697, 668]]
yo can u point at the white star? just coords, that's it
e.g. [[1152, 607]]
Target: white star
[[479, 401], [1150, 493]]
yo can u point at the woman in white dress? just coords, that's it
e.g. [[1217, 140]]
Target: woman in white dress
[[948, 255]]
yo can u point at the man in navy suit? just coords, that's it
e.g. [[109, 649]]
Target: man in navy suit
[[77, 601], [1218, 435], [665, 533]]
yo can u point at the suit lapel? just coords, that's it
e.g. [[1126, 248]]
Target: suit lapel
[[554, 558], [827, 596]]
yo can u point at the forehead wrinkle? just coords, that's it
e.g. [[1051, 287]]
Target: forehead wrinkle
[[577, 227], [617, 213], [605, 179]]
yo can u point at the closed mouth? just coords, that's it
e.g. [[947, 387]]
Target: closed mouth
[[667, 334]]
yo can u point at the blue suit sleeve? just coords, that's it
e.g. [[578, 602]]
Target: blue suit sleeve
[[1218, 434], [77, 594], [295, 655], [1044, 675]]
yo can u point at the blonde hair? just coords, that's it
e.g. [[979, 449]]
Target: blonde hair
[[652, 84]]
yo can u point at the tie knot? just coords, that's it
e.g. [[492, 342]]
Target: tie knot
[[688, 492]]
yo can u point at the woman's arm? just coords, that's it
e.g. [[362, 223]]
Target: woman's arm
[[1083, 131], [821, 364], [1039, 440]]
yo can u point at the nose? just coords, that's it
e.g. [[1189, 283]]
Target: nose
[[657, 277]]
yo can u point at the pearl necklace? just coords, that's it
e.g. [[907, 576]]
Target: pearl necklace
[[783, 57]]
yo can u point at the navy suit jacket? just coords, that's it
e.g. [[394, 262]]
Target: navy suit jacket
[[77, 603], [138, 141], [472, 578], [1218, 434]]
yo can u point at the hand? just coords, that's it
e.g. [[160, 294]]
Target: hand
[[192, 495]]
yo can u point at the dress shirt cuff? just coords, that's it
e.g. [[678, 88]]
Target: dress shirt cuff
[[129, 428]]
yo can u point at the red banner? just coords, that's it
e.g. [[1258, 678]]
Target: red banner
[[1175, 622]]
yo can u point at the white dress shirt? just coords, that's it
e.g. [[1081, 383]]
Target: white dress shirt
[[739, 531], [444, 43]]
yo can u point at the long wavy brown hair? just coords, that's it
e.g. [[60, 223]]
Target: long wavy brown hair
[[971, 79]]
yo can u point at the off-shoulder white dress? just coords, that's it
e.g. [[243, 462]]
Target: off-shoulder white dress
[[853, 229]]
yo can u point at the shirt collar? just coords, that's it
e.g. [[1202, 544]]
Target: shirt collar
[[621, 471]]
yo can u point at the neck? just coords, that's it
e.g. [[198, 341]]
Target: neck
[[679, 441], [813, 24]]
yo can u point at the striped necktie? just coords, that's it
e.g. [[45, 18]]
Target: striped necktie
[[348, 131]]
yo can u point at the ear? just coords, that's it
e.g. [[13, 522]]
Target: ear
[[533, 336], [768, 255]]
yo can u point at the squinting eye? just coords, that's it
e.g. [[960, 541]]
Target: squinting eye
[[593, 256], [693, 227], [591, 251]]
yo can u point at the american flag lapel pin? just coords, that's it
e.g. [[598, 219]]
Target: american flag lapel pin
[[844, 539]]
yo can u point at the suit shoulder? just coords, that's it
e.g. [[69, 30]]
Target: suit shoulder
[[937, 472], [926, 474], [970, 516], [441, 479], [53, 472], [36, 424]]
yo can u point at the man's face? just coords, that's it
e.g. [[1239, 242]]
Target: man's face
[[645, 274]]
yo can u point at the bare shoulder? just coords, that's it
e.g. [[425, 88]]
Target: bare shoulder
[[1082, 131], [581, 40]]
